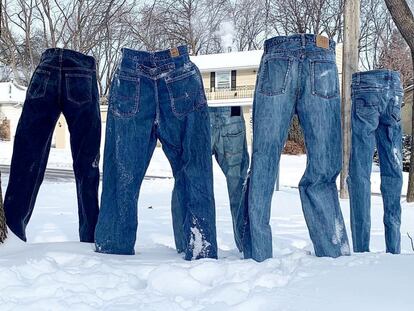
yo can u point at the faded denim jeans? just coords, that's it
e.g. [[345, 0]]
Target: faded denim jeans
[[376, 104], [296, 76], [229, 147], [63, 82], [154, 96]]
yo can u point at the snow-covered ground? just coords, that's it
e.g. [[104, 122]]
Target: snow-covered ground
[[55, 272]]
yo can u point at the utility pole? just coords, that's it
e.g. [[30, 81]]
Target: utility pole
[[349, 66]]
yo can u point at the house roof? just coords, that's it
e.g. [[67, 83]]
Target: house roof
[[232, 60], [11, 93]]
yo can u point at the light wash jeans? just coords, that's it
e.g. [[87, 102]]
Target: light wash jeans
[[376, 115], [229, 147], [296, 76]]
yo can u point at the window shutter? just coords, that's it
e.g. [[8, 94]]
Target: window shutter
[[212, 80], [233, 80]]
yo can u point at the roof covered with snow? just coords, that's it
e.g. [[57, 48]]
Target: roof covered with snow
[[12, 93], [233, 60]]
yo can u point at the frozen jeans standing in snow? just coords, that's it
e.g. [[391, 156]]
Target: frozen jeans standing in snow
[[376, 115], [63, 82], [154, 96], [229, 147], [297, 74]]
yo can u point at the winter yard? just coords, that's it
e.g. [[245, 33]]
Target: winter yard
[[55, 272]]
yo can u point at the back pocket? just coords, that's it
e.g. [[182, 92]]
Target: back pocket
[[274, 75], [124, 96], [396, 104], [38, 84], [79, 87], [234, 136], [324, 77], [186, 93]]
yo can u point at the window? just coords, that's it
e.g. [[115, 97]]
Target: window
[[223, 80]]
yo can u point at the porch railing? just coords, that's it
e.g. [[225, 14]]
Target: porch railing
[[246, 91]]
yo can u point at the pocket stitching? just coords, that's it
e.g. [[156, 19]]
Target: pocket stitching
[[46, 81], [169, 81], [181, 77], [283, 89], [314, 92], [78, 75], [114, 95]]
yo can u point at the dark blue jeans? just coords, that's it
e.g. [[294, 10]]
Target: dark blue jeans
[[296, 75], [229, 147], [64, 82], [376, 104], [157, 96]]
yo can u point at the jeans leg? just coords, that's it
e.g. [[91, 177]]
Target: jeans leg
[[364, 123], [233, 159], [192, 168], [129, 144], [272, 116], [389, 142], [30, 154], [85, 137], [321, 124], [177, 211]]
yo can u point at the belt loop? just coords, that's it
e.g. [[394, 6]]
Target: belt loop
[[303, 40], [358, 78]]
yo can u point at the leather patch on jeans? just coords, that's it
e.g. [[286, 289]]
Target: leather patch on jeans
[[174, 52], [322, 42], [235, 111]]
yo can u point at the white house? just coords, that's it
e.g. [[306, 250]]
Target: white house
[[12, 98]]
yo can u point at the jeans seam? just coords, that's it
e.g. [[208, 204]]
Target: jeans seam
[[44, 84], [265, 67], [68, 88], [313, 80], [114, 97]]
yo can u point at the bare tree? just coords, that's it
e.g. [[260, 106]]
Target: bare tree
[[404, 20], [249, 18], [88, 26], [11, 42], [395, 55], [307, 16], [115, 35], [168, 23], [375, 32]]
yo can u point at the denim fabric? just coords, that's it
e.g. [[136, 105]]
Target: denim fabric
[[154, 96], [376, 104], [296, 76], [229, 147], [64, 82]]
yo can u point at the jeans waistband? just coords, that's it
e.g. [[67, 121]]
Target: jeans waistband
[[384, 77], [378, 74], [154, 61], [294, 42], [58, 55]]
